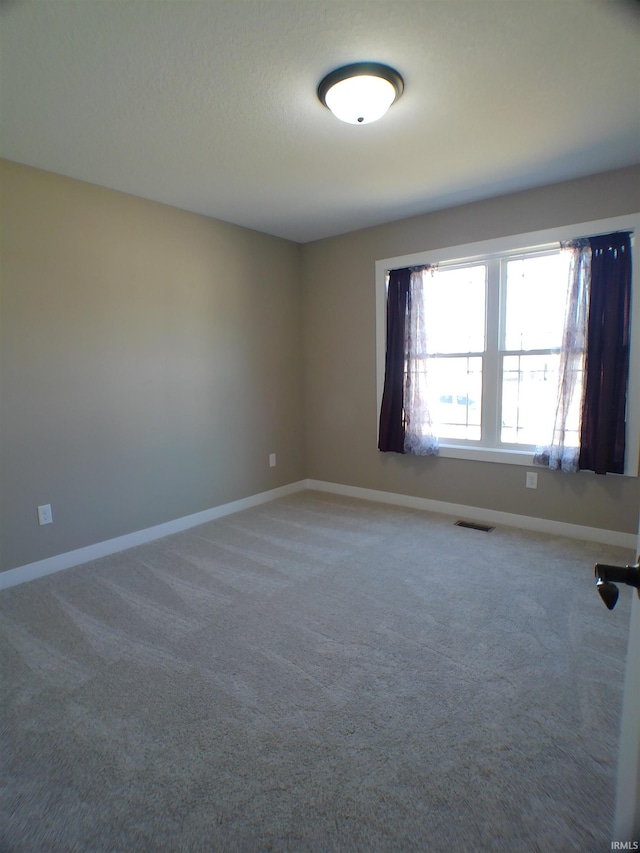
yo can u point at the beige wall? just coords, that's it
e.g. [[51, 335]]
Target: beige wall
[[340, 360], [151, 359], [149, 363]]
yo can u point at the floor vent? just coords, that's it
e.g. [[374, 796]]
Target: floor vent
[[472, 525]]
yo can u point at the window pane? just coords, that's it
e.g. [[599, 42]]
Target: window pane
[[529, 391], [535, 301], [454, 309], [455, 393]]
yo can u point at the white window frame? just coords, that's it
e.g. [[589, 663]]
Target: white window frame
[[485, 250]]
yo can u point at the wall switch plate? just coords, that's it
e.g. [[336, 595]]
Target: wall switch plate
[[272, 460], [45, 515], [531, 481]]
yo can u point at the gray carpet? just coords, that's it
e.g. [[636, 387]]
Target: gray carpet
[[315, 674]]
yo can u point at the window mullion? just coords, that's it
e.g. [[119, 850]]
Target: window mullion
[[491, 363]]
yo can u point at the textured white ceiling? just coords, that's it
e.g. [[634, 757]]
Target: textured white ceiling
[[211, 106]]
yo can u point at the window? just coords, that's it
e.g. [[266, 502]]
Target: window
[[452, 367], [521, 342], [493, 316], [533, 296]]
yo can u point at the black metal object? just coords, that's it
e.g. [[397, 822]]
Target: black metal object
[[474, 525], [608, 576]]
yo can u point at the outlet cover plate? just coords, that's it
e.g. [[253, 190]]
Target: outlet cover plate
[[45, 516]]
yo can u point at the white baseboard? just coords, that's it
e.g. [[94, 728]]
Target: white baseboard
[[39, 569], [526, 522]]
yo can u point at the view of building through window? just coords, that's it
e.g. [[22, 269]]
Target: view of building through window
[[535, 291], [508, 353]]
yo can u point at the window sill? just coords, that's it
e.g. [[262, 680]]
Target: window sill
[[486, 454], [505, 456]]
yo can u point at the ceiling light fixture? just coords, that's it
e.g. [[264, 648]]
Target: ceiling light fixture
[[362, 92]]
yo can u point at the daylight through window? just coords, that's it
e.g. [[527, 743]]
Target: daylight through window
[[485, 349], [493, 379]]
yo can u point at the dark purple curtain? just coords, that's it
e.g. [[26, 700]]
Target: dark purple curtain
[[602, 436], [392, 422]]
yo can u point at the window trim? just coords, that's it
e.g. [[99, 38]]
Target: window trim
[[534, 241]]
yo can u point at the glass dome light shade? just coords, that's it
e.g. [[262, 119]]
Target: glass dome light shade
[[360, 93], [360, 100]]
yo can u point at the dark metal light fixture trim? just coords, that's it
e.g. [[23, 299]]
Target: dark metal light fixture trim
[[360, 69]]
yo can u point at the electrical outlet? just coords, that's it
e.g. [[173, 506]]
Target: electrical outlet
[[272, 460], [531, 481], [45, 515]]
